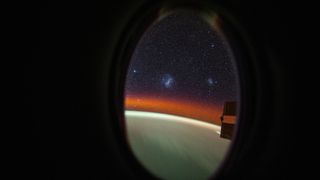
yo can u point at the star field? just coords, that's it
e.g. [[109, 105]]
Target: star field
[[182, 57]]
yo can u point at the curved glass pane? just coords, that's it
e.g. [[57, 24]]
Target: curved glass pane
[[181, 94]]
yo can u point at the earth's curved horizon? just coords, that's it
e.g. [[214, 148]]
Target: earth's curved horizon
[[175, 147]]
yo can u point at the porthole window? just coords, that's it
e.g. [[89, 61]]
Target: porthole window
[[181, 96]]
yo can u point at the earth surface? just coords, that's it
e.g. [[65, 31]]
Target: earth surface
[[174, 147]]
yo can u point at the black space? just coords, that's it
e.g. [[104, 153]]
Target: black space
[[181, 56]]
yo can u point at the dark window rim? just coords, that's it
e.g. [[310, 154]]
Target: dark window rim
[[247, 68]]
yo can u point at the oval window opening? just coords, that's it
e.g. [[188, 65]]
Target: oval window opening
[[181, 96]]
